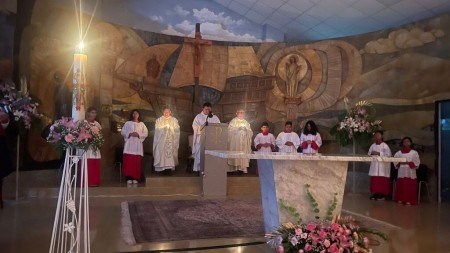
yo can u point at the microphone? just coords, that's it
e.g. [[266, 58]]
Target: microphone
[[210, 115]]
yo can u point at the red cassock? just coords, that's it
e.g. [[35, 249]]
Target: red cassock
[[381, 185], [94, 172], [132, 166]]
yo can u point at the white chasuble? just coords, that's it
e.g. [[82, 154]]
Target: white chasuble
[[239, 139], [166, 143]]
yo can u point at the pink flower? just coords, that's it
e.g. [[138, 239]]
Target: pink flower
[[322, 251], [301, 251], [333, 248], [322, 234], [68, 138], [311, 226], [298, 231], [366, 241], [95, 129], [280, 249], [326, 243], [308, 247], [304, 236], [335, 226]]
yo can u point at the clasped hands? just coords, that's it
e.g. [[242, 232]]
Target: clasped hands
[[289, 143], [133, 134]]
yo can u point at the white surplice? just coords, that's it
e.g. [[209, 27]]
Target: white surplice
[[262, 139], [239, 139], [166, 143], [90, 154], [133, 145], [309, 137], [404, 170], [197, 126], [283, 137], [379, 169]]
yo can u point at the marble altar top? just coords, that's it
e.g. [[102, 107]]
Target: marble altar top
[[304, 157]]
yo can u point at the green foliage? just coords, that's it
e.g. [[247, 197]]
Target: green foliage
[[290, 210], [331, 208]]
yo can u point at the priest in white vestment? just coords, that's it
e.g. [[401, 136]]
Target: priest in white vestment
[[201, 120], [288, 141], [239, 139], [166, 142]]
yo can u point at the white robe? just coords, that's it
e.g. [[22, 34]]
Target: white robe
[[261, 139], [309, 137], [404, 171], [90, 154], [380, 169], [239, 139], [166, 143], [197, 125], [283, 137], [133, 145]]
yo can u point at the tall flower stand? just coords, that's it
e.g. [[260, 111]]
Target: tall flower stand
[[71, 226]]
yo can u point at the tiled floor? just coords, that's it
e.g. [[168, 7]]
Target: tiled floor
[[26, 227]]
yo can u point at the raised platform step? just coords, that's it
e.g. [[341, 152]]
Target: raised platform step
[[157, 186]]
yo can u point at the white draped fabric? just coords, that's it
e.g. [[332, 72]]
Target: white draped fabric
[[239, 139], [166, 143], [197, 125], [283, 137], [133, 145], [379, 169]]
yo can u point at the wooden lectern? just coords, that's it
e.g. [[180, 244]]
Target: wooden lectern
[[214, 169]]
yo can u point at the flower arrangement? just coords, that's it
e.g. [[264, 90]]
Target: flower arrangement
[[334, 234], [24, 110], [358, 124], [67, 133]]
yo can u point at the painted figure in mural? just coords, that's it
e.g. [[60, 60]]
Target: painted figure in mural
[[93, 158], [288, 141], [63, 97], [406, 186], [310, 138], [380, 173], [153, 67], [292, 71], [239, 139], [134, 132], [166, 142], [201, 120]]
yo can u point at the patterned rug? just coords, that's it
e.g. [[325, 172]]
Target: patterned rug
[[175, 220]]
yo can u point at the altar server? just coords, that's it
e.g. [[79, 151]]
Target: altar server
[[201, 120], [406, 187], [310, 138], [265, 141], [380, 173], [134, 132], [288, 141], [93, 158], [239, 139]]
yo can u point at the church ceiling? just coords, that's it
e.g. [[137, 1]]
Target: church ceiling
[[261, 20]]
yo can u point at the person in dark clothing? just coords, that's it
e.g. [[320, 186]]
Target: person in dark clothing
[[5, 158]]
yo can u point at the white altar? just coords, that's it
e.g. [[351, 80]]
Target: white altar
[[284, 176]]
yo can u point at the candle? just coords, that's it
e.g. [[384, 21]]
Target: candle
[[79, 84]]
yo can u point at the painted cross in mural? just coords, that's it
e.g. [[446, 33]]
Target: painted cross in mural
[[197, 42]]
